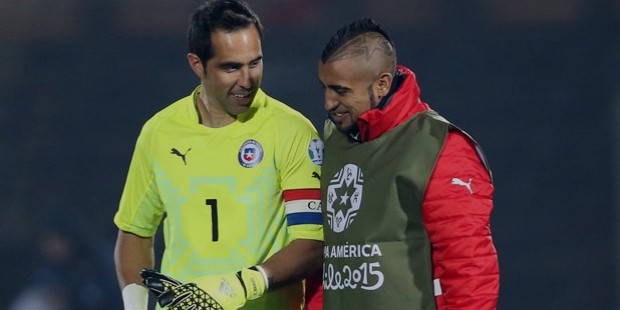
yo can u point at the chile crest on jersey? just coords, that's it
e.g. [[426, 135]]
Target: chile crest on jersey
[[250, 153]]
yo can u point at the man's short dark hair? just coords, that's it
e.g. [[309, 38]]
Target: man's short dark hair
[[350, 31], [227, 15]]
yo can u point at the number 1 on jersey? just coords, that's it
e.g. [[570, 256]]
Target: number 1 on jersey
[[214, 227]]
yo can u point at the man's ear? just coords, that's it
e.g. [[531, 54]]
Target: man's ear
[[196, 64], [384, 82]]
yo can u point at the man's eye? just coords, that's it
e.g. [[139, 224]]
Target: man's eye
[[229, 68]]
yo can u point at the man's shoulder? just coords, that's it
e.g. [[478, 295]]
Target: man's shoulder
[[432, 116], [281, 114], [276, 108], [174, 111]]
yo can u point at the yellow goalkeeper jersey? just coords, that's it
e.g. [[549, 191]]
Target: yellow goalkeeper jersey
[[220, 191]]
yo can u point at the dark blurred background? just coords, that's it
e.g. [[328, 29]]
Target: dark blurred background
[[536, 82]]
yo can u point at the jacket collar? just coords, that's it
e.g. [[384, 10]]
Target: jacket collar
[[401, 103]]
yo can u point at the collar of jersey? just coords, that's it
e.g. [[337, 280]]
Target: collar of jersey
[[259, 100]]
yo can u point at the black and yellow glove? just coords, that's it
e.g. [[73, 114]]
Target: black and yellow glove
[[158, 283], [188, 297], [209, 292]]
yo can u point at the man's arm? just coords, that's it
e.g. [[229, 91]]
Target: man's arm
[[132, 254], [296, 261], [456, 210]]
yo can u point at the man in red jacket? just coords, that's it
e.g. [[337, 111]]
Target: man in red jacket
[[406, 195]]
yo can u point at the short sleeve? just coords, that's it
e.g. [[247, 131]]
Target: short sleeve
[[140, 210], [299, 156], [299, 159]]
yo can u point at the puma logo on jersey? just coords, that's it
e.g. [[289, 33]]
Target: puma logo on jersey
[[177, 153], [316, 175], [457, 181]]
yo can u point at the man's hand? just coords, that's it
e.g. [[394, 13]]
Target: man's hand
[[232, 291], [157, 282], [209, 292], [173, 294]]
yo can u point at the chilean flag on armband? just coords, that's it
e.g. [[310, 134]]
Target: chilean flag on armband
[[303, 206]]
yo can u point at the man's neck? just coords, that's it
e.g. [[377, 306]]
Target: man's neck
[[210, 116]]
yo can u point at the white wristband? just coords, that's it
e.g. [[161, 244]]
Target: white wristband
[[135, 297], [262, 271]]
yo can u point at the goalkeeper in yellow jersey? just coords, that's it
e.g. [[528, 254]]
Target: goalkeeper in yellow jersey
[[232, 174]]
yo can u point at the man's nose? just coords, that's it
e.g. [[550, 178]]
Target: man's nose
[[330, 101], [245, 78]]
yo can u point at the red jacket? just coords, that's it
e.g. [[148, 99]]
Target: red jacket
[[456, 207]]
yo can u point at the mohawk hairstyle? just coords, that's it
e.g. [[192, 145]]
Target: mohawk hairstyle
[[349, 31], [227, 15]]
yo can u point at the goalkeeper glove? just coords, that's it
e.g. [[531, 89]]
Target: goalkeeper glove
[[209, 292], [175, 295], [157, 282]]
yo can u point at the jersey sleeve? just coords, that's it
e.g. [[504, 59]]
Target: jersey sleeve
[[456, 211], [299, 156], [140, 209]]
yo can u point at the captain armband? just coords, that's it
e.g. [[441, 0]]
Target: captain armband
[[303, 206]]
